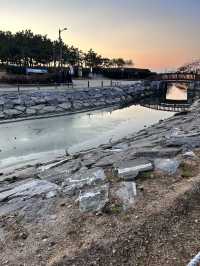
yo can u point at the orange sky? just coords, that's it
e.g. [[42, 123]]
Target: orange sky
[[156, 34]]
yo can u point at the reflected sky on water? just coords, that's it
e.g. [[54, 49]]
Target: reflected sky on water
[[43, 139]]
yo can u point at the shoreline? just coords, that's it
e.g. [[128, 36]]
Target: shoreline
[[95, 205], [29, 105], [15, 120]]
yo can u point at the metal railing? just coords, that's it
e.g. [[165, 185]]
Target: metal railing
[[76, 84]]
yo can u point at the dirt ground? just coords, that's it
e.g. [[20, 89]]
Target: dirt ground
[[161, 229]]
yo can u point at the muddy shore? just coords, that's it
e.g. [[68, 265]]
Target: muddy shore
[[133, 202]]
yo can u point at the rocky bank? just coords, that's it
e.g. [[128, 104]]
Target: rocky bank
[[27, 104], [133, 202]]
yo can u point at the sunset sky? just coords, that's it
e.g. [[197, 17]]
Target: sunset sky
[[156, 34]]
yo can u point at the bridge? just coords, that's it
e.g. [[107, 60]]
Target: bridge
[[168, 107], [178, 76]]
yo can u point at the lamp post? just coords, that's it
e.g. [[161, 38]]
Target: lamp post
[[61, 48]]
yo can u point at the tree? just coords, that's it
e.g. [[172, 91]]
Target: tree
[[118, 62], [24, 48], [92, 59]]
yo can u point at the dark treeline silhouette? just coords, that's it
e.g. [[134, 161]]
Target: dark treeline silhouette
[[26, 49]]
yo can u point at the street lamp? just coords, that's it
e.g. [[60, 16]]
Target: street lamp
[[61, 48]]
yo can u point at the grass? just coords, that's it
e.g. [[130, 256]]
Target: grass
[[146, 175], [187, 170]]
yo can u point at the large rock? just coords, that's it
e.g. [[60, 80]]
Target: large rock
[[168, 166], [77, 105], [12, 113], [39, 107], [65, 106], [30, 111], [59, 173], [30, 189], [158, 152], [184, 141], [20, 108], [93, 200], [126, 194], [2, 116], [129, 170], [83, 179]]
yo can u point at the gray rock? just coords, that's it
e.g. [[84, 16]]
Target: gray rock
[[30, 111], [120, 147], [20, 108], [12, 113], [77, 105], [127, 193], [2, 116], [29, 172], [169, 166], [130, 169], [190, 154], [47, 109], [183, 141], [59, 173], [28, 190], [38, 107], [65, 106], [93, 200], [158, 152], [83, 179]]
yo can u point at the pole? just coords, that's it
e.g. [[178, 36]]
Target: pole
[[60, 56], [61, 48]]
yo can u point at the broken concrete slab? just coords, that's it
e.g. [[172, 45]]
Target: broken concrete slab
[[83, 178], [169, 166], [93, 200], [133, 167], [126, 193]]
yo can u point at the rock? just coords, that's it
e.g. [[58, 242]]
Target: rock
[[30, 111], [12, 113], [28, 190], [83, 178], [65, 106], [130, 169], [38, 107], [77, 105], [2, 116], [189, 154], [120, 147], [183, 141], [91, 158], [47, 109], [58, 173], [29, 172], [94, 200], [169, 166], [158, 152], [126, 193], [20, 108]]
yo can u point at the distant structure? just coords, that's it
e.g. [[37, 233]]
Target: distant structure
[[191, 67]]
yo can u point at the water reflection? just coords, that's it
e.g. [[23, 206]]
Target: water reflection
[[177, 92], [35, 140], [173, 97]]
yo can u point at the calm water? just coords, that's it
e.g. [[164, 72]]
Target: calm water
[[45, 139], [35, 140]]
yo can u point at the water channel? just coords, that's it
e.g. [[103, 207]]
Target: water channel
[[40, 140]]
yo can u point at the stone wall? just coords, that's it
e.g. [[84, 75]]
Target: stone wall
[[40, 103]]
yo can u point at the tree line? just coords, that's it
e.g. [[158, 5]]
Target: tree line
[[26, 49]]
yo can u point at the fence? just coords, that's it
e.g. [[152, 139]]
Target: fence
[[77, 84]]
